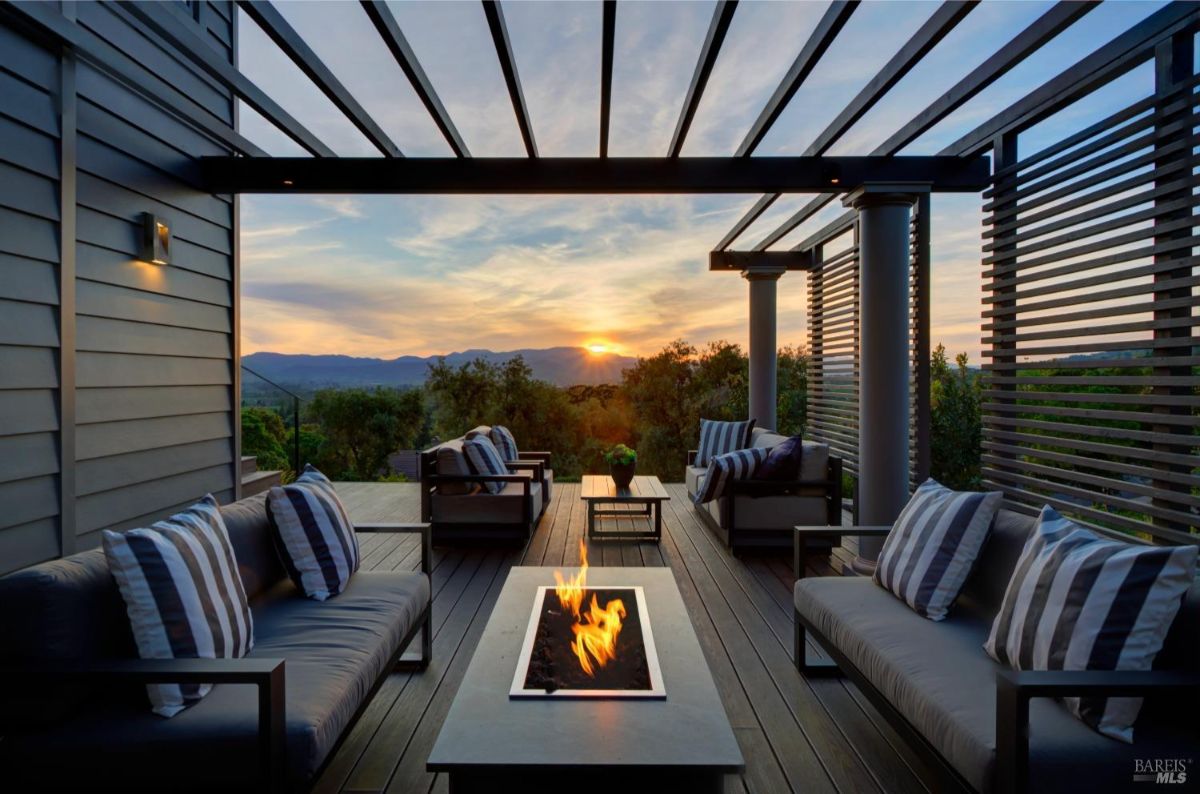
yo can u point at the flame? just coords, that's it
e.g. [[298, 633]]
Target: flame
[[597, 629]]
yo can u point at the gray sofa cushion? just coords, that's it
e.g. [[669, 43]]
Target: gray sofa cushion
[[484, 508], [814, 461], [452, 461], [939, 678], [253, 544], [766, 512], [335, 652]]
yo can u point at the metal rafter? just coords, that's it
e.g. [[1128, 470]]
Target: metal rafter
[[164, 24], [267, 17], [1043, 29], [721, 19], [508, 66], [606, 71], [389, 30]]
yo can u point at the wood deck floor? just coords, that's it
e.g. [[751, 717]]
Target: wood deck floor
[[796, 734]]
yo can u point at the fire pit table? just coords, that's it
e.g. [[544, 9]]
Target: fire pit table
[[492, 740]]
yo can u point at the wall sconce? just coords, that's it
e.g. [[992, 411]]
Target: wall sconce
[[156, 240]]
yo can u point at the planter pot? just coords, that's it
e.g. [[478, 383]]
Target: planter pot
[[622, 473]]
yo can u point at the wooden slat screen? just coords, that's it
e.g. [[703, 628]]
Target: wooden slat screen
[[1092, 389]]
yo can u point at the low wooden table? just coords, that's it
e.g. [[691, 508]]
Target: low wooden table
[[491, 742], [599, 489]]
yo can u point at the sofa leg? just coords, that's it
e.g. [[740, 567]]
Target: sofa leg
[[806, 664], [416, 665]]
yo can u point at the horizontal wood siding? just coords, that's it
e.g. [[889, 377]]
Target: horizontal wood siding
[[153, 408]]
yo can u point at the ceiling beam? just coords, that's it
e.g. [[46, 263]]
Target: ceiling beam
[[584, 175], [172, 29], [389, 30], [608, 41], [1060, 16], [721, 19], [267, 17], [508, 66], [743, 260], [827, 29]]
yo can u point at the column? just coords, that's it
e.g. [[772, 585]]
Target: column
[[884, 213], [763, 344]]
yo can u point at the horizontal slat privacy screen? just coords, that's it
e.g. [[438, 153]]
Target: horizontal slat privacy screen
[[1091, 398]]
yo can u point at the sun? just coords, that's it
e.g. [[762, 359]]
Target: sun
[[597, 348]]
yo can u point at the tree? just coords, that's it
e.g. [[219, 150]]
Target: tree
[[955, 422], [265, 437], [362, 427], [659, 389], [791, 402]]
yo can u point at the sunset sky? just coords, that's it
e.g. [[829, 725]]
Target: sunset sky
[[394, 275]]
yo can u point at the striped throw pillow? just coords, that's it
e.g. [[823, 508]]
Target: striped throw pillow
[[484, 458], [183, 593], [315, 536], [740, 464], [1077, 601], [504, 442], [717, 438], [928, 554]]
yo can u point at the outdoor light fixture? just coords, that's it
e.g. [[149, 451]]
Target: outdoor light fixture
[[156, 240]]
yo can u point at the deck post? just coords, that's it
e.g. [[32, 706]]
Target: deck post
[[763, 344], [884, 217]]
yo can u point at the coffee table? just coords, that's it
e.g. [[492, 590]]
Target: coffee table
[[599, 489], [490, 742]]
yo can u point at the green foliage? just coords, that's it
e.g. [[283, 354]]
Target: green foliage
[[620, 455], [955, 422], [360, 428], [265, 437]]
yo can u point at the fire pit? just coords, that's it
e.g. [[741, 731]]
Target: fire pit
[[588, 642]]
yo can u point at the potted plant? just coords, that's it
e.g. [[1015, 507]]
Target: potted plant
[[622, 463]]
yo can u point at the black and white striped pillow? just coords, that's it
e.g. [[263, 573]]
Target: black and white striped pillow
[[484, 458], [723, 469], [503, 440], [183, 593], [928, 554], [1077, 601], [717, 438], [316, 537]]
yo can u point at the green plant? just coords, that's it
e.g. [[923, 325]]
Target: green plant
[[620, 455]]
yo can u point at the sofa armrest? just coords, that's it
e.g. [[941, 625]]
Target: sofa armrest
[[802, 534], [691, 456], [536, 467], [265, 674], [1015, 688], [423, 529], [541, 457]]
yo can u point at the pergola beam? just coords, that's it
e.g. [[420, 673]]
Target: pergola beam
[[584, 175], [508, 66], [267, 17], [744, 260], [721, 19], [389, 30], [607, 44], [163, 23]]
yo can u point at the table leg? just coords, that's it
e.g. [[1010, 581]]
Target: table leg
[[591, 520], [657, 521]]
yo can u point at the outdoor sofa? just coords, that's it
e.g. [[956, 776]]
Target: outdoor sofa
[[460, 510], [977, 724], [73, 701], [762, 513]]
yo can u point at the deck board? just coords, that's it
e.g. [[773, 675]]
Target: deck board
[[816, 735]]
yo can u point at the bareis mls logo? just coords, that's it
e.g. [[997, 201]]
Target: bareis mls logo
[[1161, 770]]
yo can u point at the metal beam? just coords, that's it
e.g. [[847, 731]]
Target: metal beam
[[163, 23], [743, 260], [721, 19], [607, 42], [583, 175], [1061, 16], [267, 17], [834, 19], [389, 30], [508, 66]]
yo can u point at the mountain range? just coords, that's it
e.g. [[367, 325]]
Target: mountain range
[[562, 366]]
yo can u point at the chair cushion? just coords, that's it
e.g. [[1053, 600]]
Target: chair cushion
[[717, 438], [504, 441], [184, 596], [941, 681], [1081, 602], [692, 477], [334, 652], [723, 469], [483, 458], [932, 547], [506, 507], [253, 542], [316, 537], [783, 462], [451, 462]]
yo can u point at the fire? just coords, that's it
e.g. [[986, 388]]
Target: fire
[[597, 629]]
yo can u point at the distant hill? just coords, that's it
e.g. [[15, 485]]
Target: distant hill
[[562, 366]]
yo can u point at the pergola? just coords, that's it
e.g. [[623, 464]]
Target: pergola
[[879, 188]]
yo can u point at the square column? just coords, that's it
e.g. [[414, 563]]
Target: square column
[[764, 345]]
